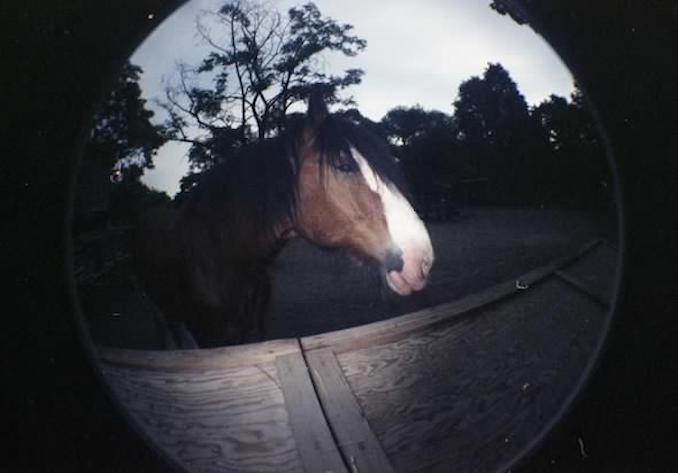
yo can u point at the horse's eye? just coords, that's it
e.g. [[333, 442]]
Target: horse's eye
[[348, 167], [346, 164]]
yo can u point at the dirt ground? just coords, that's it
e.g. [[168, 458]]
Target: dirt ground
[[316, 290]]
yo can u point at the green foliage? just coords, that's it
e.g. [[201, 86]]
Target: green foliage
[[523, 156], [404, 124], [575, 157], [122, 136], [131, 197], [122, 132], [491, 109], [260, 64], [496, 134], [353, 115], [424, 143], [263, 62]]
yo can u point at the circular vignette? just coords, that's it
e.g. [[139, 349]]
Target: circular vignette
[[521, 11], [524, 454], [108, 77]]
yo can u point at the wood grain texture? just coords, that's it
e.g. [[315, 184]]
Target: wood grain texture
[[233, 420], [427, 391], [202, 359], [398, 328], [312, 435], [355, 438], [468, 397]]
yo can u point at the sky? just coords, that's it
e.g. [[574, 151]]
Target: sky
[[418, 53]]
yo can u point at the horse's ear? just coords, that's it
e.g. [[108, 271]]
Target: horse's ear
[[317, 108]]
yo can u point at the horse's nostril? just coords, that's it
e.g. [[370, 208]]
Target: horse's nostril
[[394, 261]]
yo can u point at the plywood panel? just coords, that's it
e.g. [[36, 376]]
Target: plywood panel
[[469, 396], [233, 420]]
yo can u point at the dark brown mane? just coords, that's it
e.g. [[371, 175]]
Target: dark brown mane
[[261, 178], [259, 181]]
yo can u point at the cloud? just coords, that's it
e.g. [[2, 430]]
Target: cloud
[[417, 53]]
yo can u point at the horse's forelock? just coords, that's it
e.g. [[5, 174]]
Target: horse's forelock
[[336, 136]]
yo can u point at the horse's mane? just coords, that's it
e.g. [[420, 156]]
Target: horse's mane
[[261, 178], [257, 181]]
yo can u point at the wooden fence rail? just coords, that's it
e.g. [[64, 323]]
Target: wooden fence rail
[[463, 386]]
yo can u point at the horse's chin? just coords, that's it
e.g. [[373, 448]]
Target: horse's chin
[[398, 284]]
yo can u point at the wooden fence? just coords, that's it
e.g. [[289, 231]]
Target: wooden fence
[[462, 386]]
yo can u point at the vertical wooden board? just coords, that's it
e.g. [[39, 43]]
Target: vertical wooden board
[[360, 446], [232, 420], [311, 433]]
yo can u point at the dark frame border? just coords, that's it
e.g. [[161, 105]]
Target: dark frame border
[[57, 410]]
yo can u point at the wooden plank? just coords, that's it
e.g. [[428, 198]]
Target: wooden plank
[[233, 420], [200, 360], [470, 396], [398, 328], [311, 433], [355, 438]]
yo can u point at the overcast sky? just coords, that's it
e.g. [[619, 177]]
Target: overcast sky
[[417, 53]]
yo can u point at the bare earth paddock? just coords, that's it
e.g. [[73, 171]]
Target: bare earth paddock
[[316, 291]]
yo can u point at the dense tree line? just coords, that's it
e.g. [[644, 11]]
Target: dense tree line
[[492, 150], [496, 150], [122, 144]]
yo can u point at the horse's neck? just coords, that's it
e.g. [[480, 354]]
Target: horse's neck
[[229, 235], [227, 210]]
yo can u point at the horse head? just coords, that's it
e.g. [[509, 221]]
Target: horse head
[[349, 196]]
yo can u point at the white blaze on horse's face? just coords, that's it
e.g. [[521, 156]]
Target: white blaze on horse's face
[[407, 231]]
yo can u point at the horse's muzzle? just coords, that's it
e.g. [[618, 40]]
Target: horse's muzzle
[[408, 272]]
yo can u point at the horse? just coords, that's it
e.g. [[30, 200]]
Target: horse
[[324, 178]]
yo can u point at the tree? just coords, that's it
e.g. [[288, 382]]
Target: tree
[[490, 109], [122, 133], [403, 124], [122, 136], [495, 133], [260, 64], [575, 157], [424, 143]]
